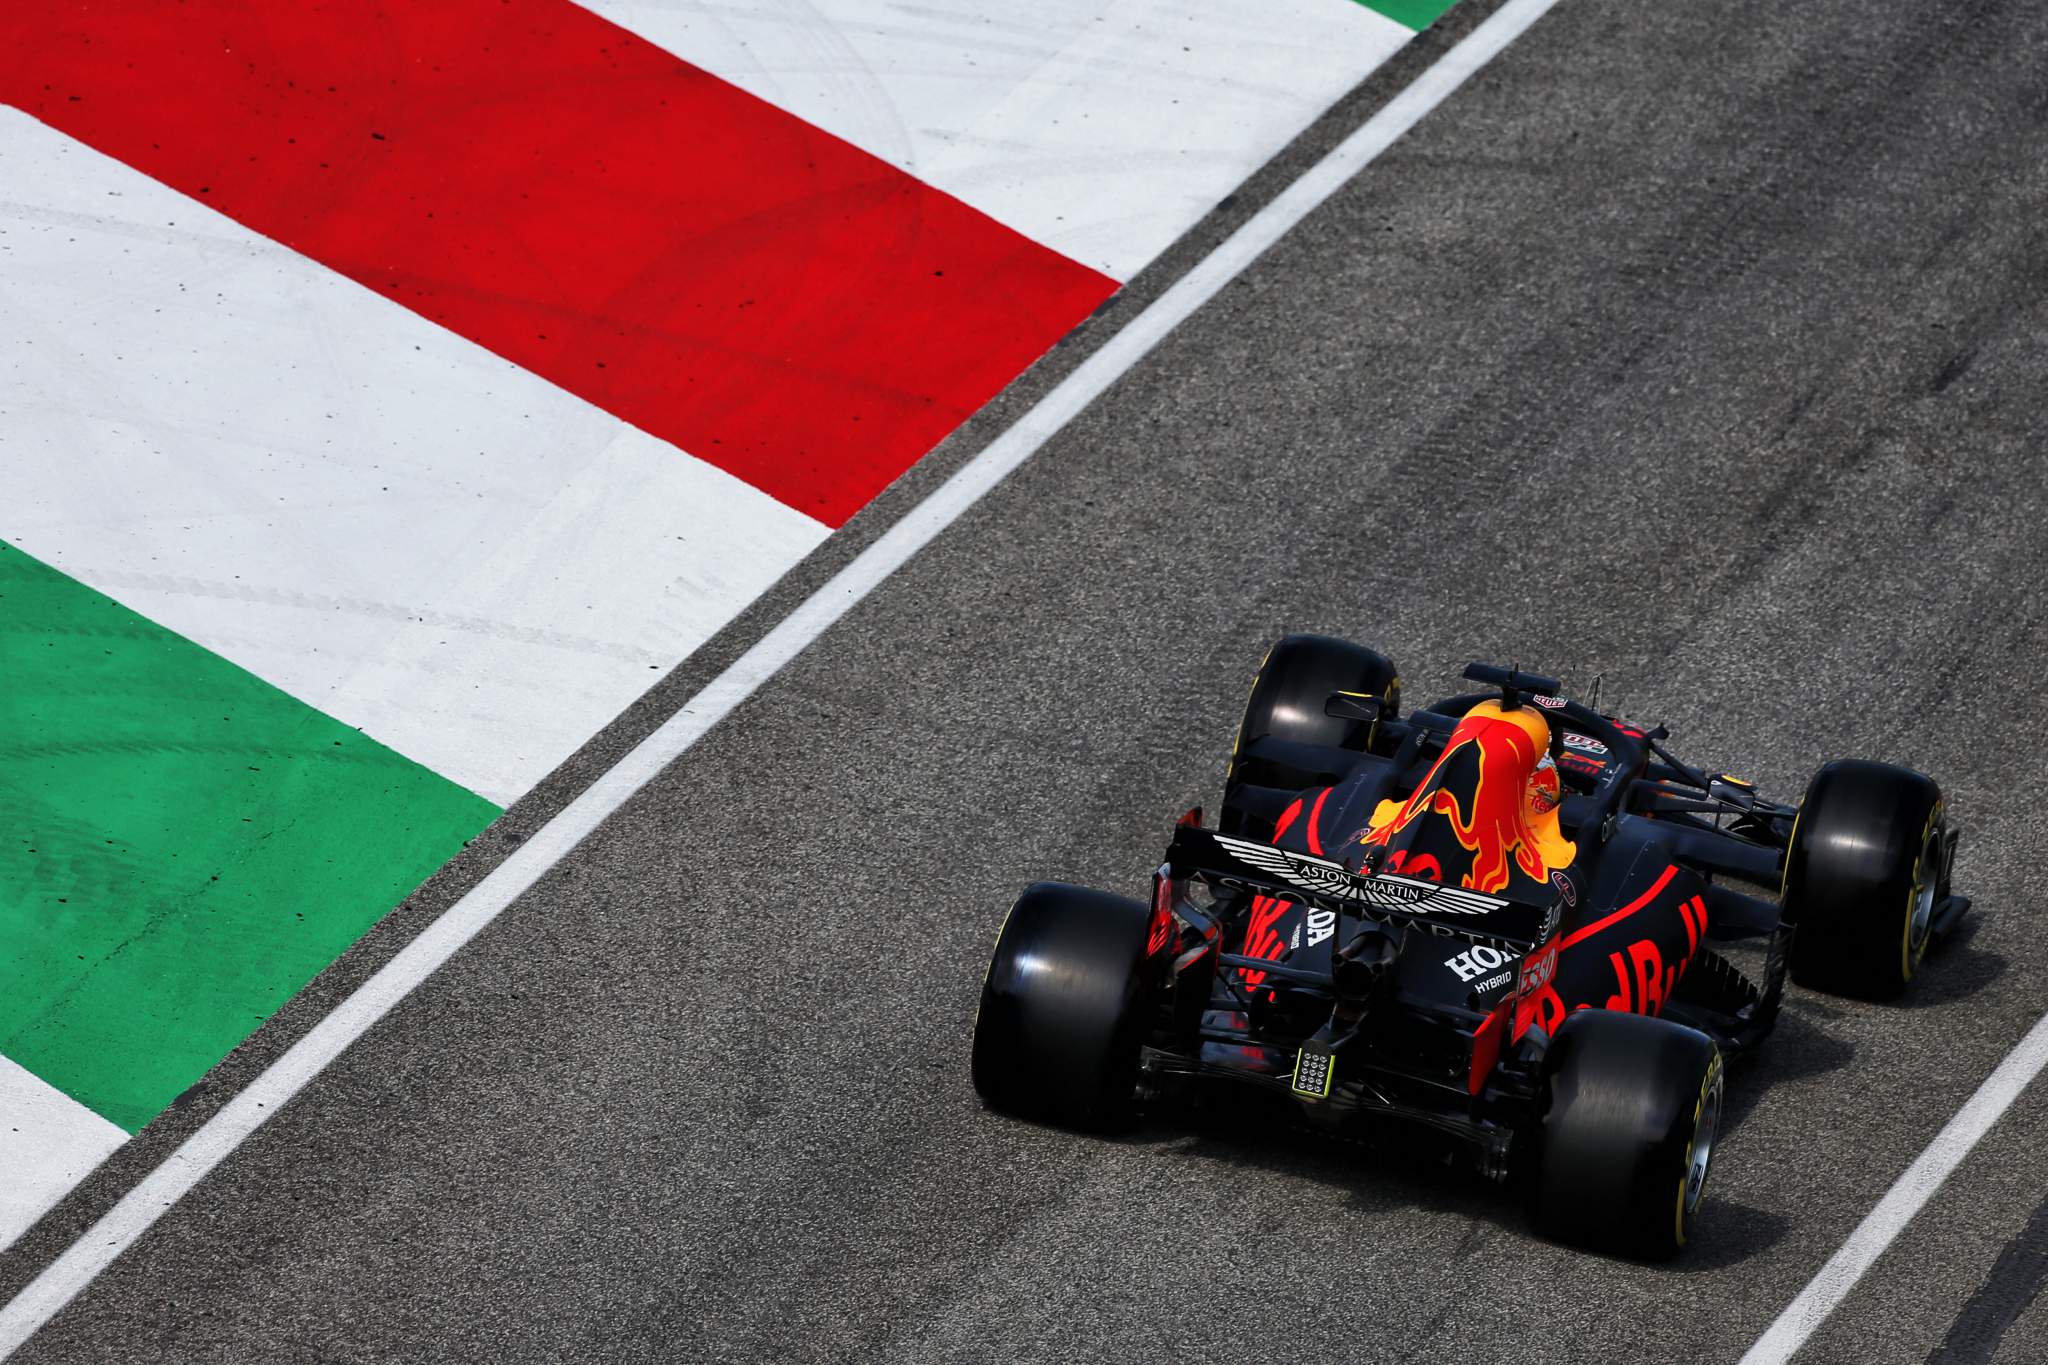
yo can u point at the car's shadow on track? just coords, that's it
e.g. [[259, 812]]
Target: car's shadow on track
[[1729, 1234], [1955, 969], [1808, 1038], [1375, 1181], [1799, 1047]]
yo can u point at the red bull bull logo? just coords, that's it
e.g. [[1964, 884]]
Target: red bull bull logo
[[1495, 792]]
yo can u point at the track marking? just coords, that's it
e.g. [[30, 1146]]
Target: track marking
[[240, 1117], [1102, 130], [698, 263], [2004, 1296], [48, 1143], [1825, 1292], [377, 517]]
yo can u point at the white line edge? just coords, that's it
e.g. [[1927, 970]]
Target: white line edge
[[1825, 1292], [121, 1226]]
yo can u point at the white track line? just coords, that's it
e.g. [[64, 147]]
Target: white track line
[[1876, 1232], [241, 1116]]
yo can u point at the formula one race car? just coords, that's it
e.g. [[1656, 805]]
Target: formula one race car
[[1491, 924]]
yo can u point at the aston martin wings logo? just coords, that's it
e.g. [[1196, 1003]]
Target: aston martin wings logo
[[1384, 892]]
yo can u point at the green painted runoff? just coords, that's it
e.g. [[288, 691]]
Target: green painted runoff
[[184, 845], [1416, 14]]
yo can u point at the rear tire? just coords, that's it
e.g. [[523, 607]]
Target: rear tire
[[1861, 877], [1288, 740], [1631, 1109], [1064, 1008]]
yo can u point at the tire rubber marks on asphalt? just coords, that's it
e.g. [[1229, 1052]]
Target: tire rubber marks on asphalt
[[1825, 1292], [2014, 1283]]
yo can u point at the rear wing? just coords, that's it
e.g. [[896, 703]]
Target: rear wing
[[1448, 911]]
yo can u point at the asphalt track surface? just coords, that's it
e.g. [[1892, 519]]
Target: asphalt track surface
[[1697, 346]]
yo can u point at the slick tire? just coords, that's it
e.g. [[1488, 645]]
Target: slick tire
[[1287, 739], [1861, 874], [1631, 1106], [1064, 1009]]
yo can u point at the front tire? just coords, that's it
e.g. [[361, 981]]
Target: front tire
[[1064, 1008], [1861, 876], [1632, 1107]]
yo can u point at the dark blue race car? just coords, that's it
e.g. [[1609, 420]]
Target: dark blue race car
[[1494, 923]]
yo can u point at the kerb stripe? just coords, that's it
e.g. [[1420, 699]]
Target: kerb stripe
[[652, 239]]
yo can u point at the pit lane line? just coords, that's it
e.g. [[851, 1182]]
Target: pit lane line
[[1825, 1292], [79, 1264]]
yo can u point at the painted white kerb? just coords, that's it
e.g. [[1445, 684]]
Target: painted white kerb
[[1103, 129], [48, 1143], [384, 520]]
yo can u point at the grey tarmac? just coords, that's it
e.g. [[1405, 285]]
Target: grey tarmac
[[1699, 347]]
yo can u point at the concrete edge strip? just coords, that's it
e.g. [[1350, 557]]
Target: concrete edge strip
[[1825, 1292], [80, 1263]]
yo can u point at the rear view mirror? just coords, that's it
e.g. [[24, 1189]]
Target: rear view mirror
[[1352, 706]]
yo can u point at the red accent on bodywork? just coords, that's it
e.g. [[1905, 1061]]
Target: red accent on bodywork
[[1160, 932], [1541, 1008], [1622, 999], [1422, 866], [1315, 816], [1536, 990], [1638, 903], [1642, 979], [1648, 961], [1486, 1047], [1260, 938], [1287, 819]]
